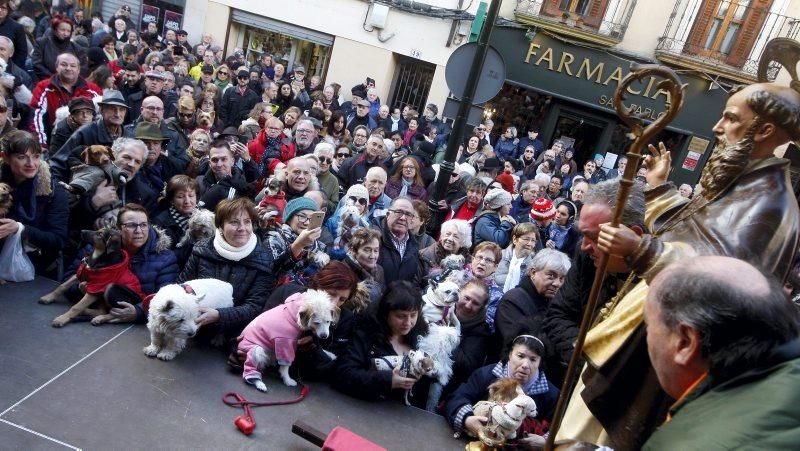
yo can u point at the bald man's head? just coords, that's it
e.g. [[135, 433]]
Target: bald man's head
[[776, 104], [740, 314]]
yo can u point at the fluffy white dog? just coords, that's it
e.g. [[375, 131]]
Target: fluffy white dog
[[444, 334], [271, 338], [174, 309], [200, 225]]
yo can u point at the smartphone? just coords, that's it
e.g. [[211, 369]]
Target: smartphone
[[316, 219]]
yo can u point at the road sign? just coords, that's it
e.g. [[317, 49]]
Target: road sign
[[492, 77]]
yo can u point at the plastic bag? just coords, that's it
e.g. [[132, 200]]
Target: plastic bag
[[15, 266]]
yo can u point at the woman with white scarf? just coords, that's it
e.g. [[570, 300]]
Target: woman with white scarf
[[511, 267], [234, 255]]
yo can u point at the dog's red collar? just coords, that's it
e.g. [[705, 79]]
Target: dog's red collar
[[188, 289]]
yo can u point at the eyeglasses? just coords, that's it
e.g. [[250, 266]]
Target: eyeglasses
[[402, 213], [355, 199], [342, 155], [222, 73], [154, 108], [304, 131], [185, 114], [132, 226], [484, 259], [325, 160], [303, 219]]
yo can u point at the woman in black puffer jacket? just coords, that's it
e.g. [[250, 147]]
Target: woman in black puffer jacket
[[234, 255]]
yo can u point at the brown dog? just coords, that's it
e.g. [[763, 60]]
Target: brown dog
[[97, 155], [5, 199], [205, 120], [107, 264]]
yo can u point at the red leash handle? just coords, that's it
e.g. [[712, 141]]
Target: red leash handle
[[246, 423]]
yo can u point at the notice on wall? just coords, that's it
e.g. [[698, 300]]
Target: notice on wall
[[698, 145], [172, 21], [149, 14], [691, 160]]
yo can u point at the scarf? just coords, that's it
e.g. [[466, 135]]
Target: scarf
[[406, 185], [536, 384], [558, 233], [179, 218], [514, 272], [233, 253]]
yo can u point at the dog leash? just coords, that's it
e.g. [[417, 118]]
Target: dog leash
[[246, 423]]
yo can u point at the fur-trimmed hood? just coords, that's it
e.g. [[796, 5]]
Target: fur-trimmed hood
[[159, 240]]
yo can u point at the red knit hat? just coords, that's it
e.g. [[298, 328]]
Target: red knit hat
[[542, 209], [506, 180]]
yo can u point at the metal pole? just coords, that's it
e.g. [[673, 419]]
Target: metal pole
[[457, 135]]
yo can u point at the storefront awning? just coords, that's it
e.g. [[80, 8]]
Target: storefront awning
[[265, 23]]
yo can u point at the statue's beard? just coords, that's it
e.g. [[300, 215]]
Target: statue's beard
[[726, 163]]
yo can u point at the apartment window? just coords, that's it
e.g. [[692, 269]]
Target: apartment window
[[580, 7], [726, 30]]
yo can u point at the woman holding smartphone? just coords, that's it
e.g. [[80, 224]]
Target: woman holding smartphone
[[295, 248]]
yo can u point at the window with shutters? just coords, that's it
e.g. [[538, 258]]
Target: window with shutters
[[726, 30], [725, 37], [600, 21]]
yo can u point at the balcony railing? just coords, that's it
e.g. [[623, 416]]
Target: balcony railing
[[599, 21], [725, 37]]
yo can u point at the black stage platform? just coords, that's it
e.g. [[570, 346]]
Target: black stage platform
[[86, 387]]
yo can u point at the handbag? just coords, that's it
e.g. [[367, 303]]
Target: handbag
[[15, 266]]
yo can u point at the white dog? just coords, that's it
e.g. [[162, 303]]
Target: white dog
[[174, 309], [271, 338], [440, 301]]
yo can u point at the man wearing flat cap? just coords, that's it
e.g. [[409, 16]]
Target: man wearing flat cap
[[159, 165], [81, 112], [153, 86], [238, 101], [102, 131], [361, 117]]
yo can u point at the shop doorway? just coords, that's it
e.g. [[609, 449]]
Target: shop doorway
[[580, 132]]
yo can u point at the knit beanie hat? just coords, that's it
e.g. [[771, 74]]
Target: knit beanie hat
[[496, 198], [542, 209], [297, 205], [507, 181], [358, 191]]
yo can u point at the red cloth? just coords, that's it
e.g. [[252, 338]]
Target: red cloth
[[98, 279], [465, 212], [341, 439]]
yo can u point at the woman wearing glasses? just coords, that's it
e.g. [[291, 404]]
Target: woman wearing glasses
[[222, 79], [151, 260], [294, 248], [234, 254], [342, 153], [523, 243], [406, 180]]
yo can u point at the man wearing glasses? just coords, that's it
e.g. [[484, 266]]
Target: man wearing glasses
[[152, 110], [399, 255], [237, 102], [304, 140]]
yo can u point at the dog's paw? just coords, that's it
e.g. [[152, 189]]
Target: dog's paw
[[101, 319], [150, 350], [166, 355], [60, 321], [47, 299], [261, 386], [289, 382]]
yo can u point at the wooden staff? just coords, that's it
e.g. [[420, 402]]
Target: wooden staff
[[642, 135]]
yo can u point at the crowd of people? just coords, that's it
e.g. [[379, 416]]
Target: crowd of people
[[264, 148]]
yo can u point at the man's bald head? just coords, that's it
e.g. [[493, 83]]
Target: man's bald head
[[318, 197], [152, 109], [776, 104], [740, 314]]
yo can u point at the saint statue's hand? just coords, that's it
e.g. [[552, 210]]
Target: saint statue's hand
[[620, 241], [658, 164]]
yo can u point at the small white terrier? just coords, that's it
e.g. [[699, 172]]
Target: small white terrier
[[174, 309], [271, 338]]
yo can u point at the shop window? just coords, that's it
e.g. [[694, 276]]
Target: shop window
[[412, 83], [287, 50], [726, 30], [518, 107]]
